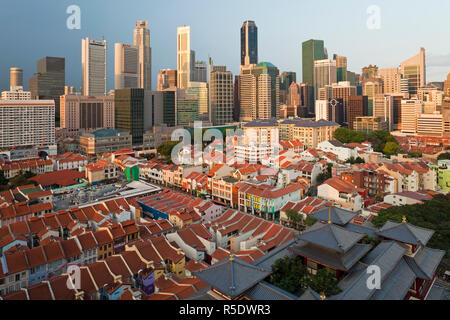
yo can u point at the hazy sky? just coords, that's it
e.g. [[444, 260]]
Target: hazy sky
[[32, 29]]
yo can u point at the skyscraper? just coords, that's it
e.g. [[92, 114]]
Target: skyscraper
[[286, 79], [142, 42], [312, 50], [167, 78], [324, 73], [249, 43], [259, 91], [184, 55], [414, 69], [15, 77], [200, 89], [391, 77], [126, 66], [129, 112], [49, 81], [410, 111], [221, 95], [343, 90], [447, 86], [357, 107], [383, 107], [341, 67], [93, 64]]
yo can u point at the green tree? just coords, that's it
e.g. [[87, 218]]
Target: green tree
[[290, 274], [293, 215], [444, 156], [391, 148], [309, 221], [345, 135], [166, 148], [325, 281]]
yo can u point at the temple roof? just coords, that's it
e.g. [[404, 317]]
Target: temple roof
[[405, 232], [233, 276], [333, 259], [388, 256], [425, 262], [310, 294], [331, 236], [338, 216], [266, 291]]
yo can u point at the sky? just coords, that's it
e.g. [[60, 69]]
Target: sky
[[32, 29]]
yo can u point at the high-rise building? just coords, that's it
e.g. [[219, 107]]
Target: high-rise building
[[321, 111], [369, 73], [25, 123], [237, 100], [430, 125], [129, 112], [397, 111], [126, 67], [221, 95], [15, 77], [430, 94], [199, 71], [343, 90], [357, 107], [392, 80], [383, 107], [185, 62], [167, 78], [353, 78], [324, 73], [93, 64], [312, 50], [187, 106], [86, 113], [336, 111], [411, 109], [259, 91], [294, 95], [414, 69], [372, 87], [249, 43], [200, 89], [170, 107], [341, 67], [330, 110], [48, 82], [142, 42], [447, 86], [286, 79], [153, 109], [324, 93]]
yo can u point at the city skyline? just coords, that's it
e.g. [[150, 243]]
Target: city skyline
[[278, 42]]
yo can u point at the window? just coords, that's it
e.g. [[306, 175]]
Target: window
[[17, 277]]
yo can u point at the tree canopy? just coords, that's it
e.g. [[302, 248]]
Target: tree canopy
[[379, 139], [444, 156], [166, 148], [433, 214], [290, 274]]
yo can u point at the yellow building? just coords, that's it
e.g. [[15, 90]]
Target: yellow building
[[309, 132]]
